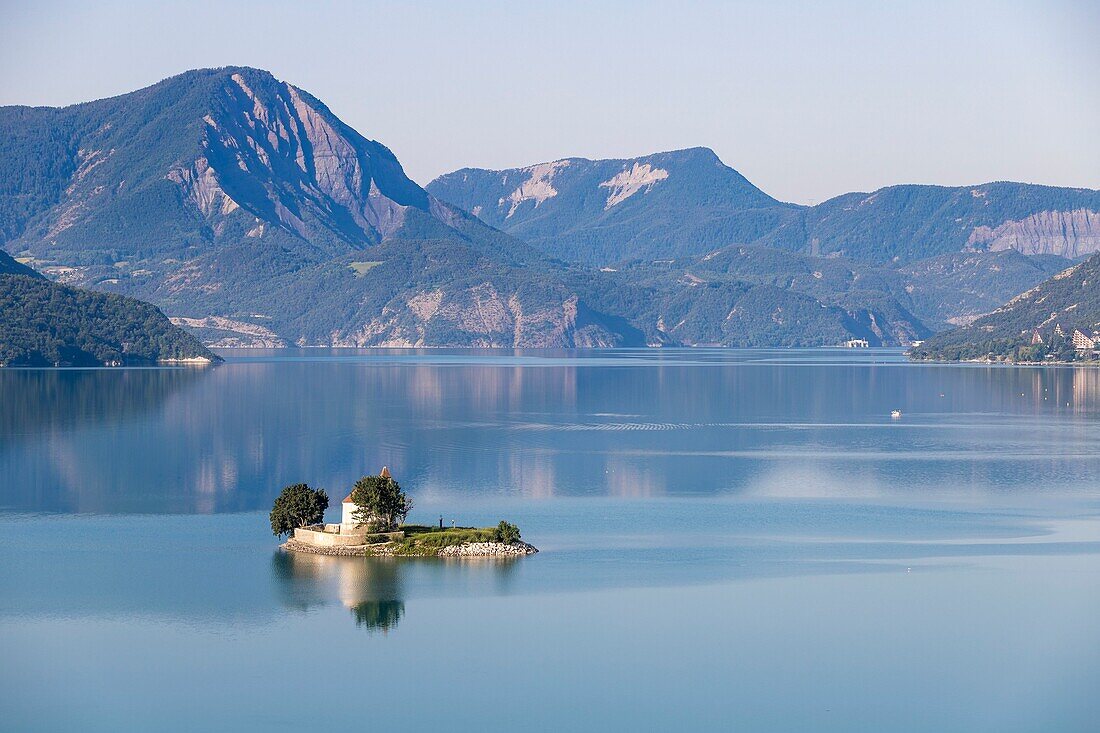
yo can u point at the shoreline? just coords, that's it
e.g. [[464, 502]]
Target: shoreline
[[387, 549], [1004, 362]]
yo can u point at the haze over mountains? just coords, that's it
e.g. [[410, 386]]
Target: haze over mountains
[[252, 215]]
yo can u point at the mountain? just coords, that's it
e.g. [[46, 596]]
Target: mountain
[[1036, 325], [246, 209], [43, 323], [253, 216], [663, 205], [905, 224], [688, 202]]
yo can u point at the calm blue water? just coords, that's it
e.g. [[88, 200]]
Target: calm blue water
[[731, 540]]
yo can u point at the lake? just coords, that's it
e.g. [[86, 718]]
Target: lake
[[730, 540]]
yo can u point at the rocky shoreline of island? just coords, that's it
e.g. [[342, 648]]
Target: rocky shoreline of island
[[394, 549]]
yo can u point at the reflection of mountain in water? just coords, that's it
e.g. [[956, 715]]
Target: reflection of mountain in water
[[696, 422], [58, 429], [56, 400]]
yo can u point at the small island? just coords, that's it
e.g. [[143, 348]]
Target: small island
[[372, 525]]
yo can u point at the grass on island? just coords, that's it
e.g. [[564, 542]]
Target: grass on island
[[362, 268], [427, 540]]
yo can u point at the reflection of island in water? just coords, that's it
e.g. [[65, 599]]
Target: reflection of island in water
[[369, 587], [374, 589]]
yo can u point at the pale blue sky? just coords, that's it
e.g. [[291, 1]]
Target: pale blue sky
[[808, 100]]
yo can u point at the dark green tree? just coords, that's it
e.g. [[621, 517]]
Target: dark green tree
[[507, 532], [297, 506], [380, 502]]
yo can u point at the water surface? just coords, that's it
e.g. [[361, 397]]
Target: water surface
[[730, 540]]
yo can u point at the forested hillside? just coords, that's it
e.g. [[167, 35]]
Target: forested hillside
[[1036, 325], [46, 324]]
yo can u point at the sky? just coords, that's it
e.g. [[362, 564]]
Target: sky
[[807, 100]]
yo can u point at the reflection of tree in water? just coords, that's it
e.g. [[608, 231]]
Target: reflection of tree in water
[[378, 615], [370, 587]]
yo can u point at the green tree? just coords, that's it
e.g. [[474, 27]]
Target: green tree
[[380, 502], [297, 506], [507, 532]]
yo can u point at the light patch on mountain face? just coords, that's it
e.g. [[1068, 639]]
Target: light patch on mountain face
[[1067, 233], [630, 181], [336, 167], [536, 188], [261, 115], [425, 305], [89, 159], [240, 333], [201, 184], [68, 217]]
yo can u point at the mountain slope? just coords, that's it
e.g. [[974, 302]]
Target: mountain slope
[[756, 296], [688, 203], [195, 158], [9, 266], [234, 199], [1035, 325], [954, 289], [602, 211]]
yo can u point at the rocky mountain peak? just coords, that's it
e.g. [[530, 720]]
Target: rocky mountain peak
[[279, 153], [244, 153]]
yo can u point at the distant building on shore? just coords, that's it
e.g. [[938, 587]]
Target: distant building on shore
[[1082, 342], [856, 344]]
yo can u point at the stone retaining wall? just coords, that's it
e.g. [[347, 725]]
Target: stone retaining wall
[[356, 551]]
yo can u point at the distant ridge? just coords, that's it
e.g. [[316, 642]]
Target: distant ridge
[[9, 266], [669, 204], [688, 202]]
